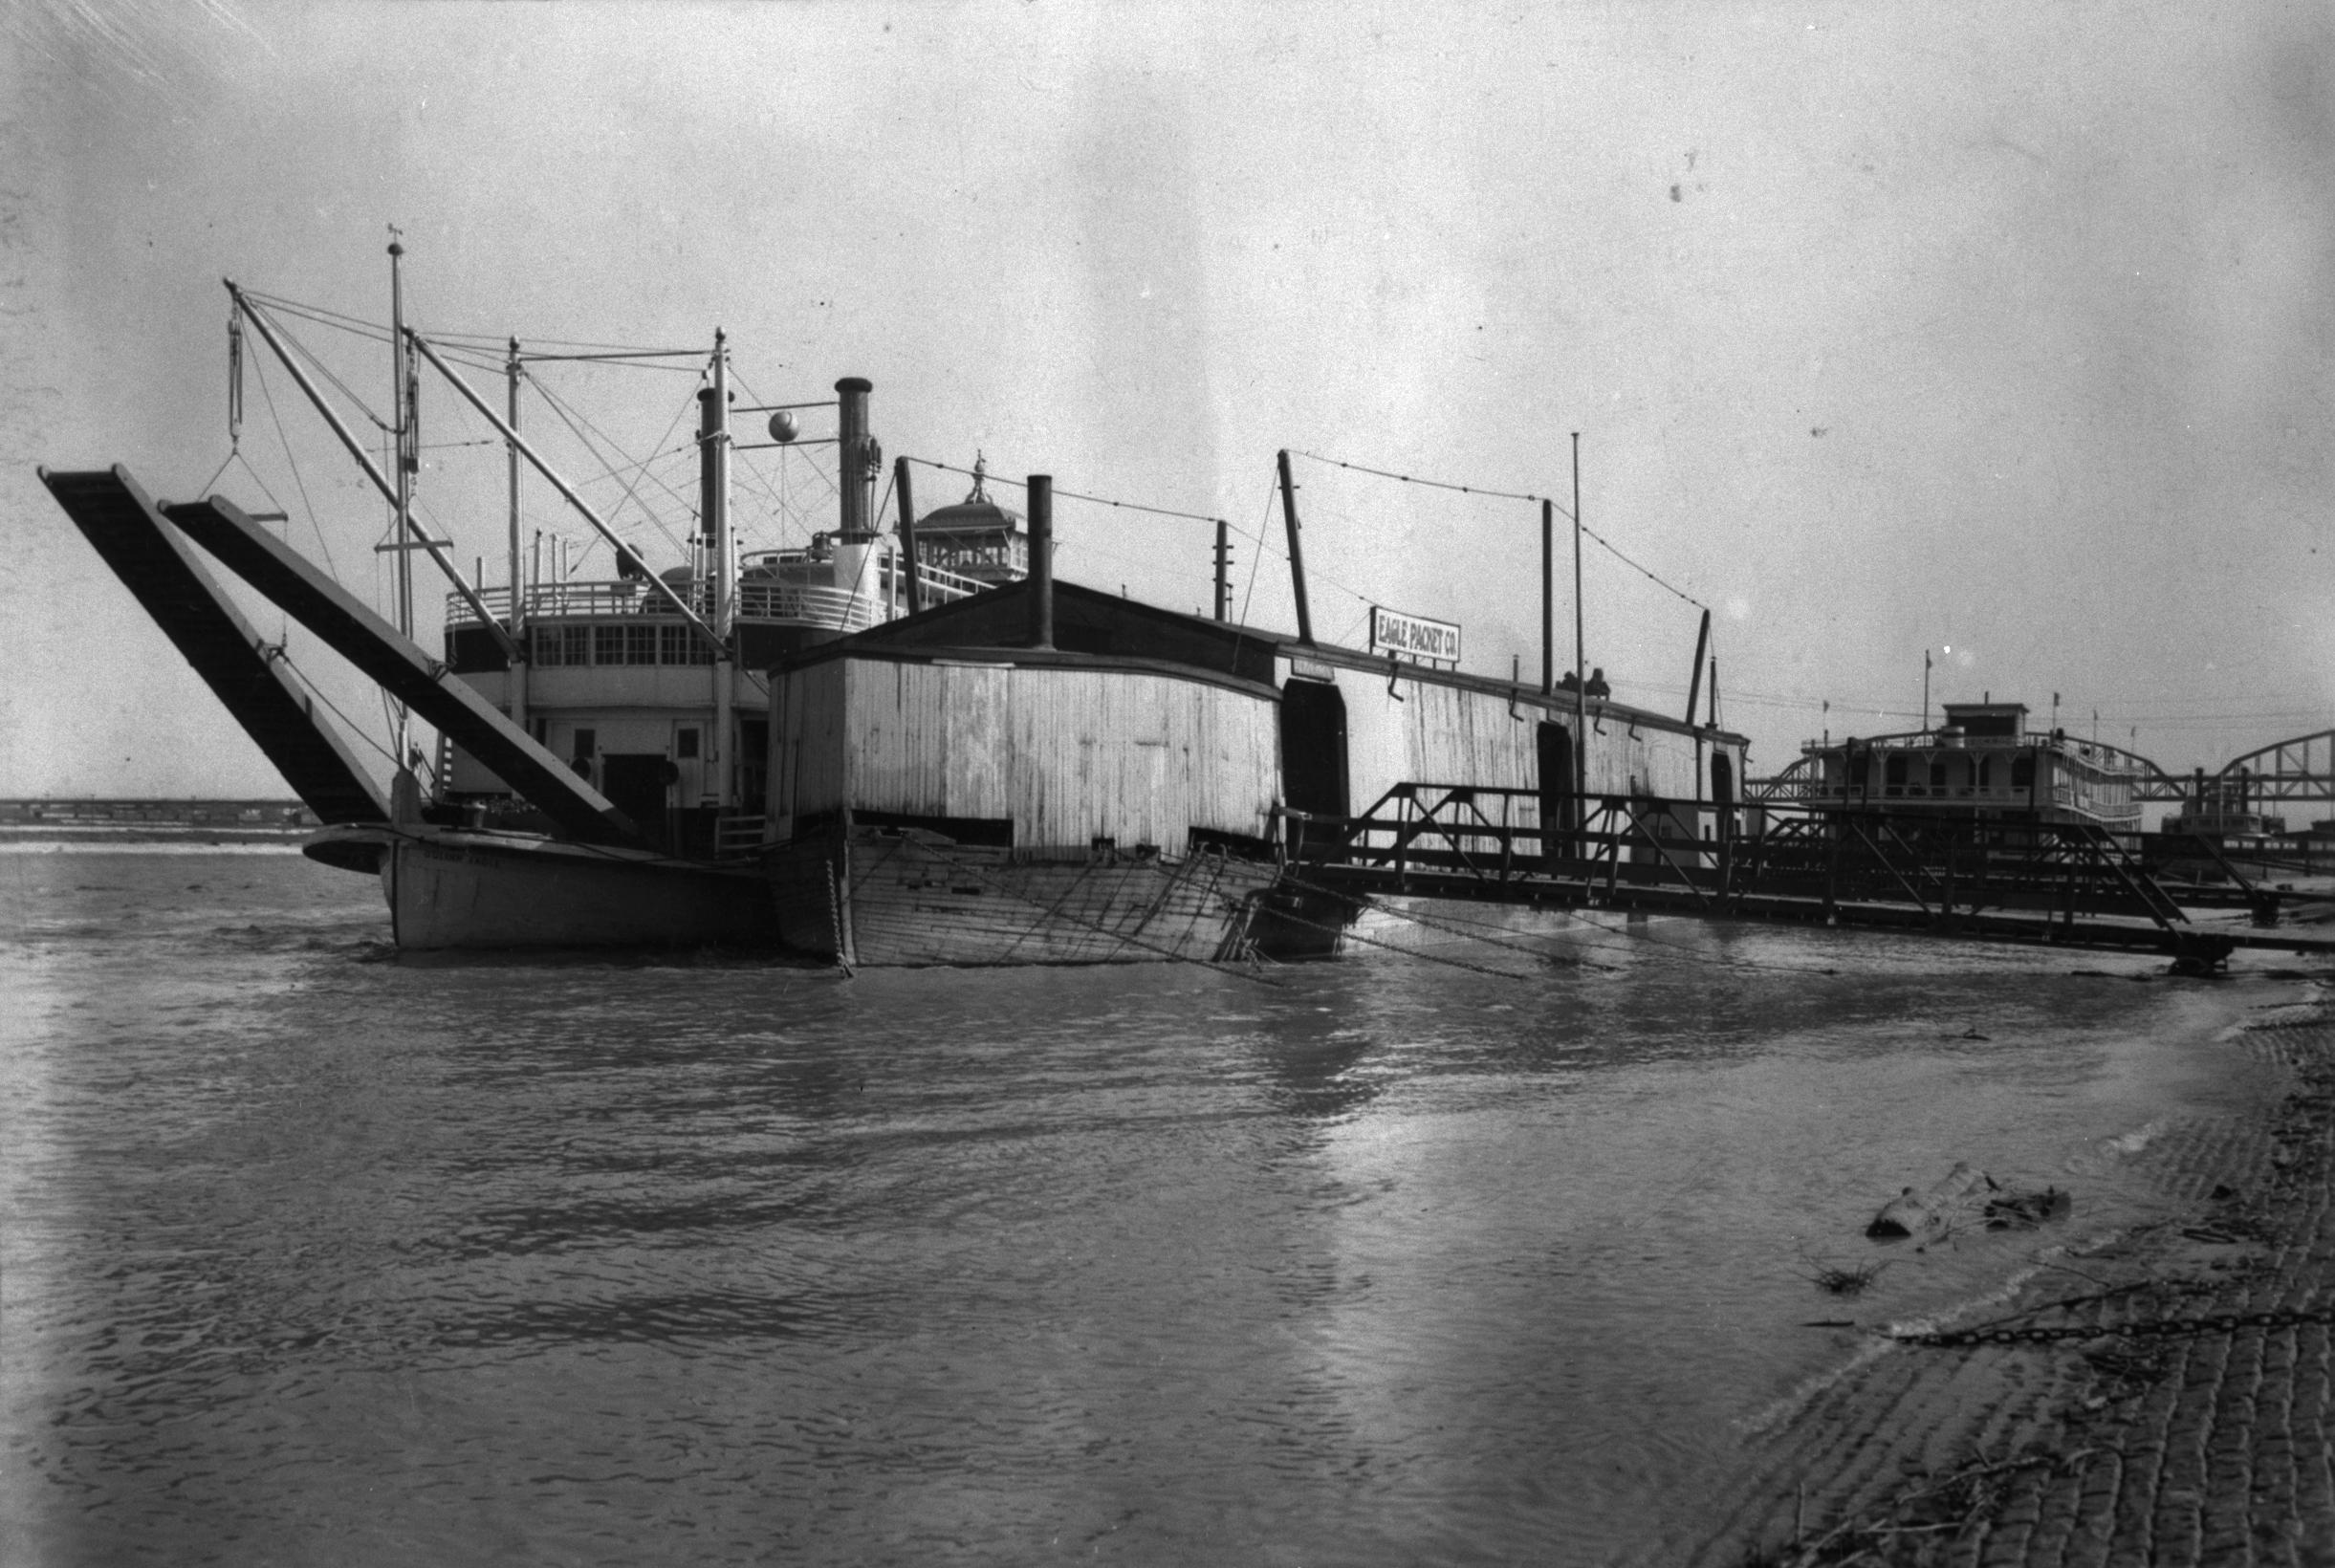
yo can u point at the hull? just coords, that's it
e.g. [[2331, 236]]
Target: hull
[[453, 889], [876, 898]]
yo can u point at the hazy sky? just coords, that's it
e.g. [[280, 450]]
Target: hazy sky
[[2008, 329]]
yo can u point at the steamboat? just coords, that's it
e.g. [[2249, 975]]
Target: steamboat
[[904, 745]]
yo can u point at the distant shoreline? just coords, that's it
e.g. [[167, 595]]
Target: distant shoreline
[[194, 842], [153, 823]]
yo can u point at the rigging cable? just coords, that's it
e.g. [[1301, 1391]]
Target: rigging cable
[[1515, 495], [1074, 495], [317, 692], [558, 406]]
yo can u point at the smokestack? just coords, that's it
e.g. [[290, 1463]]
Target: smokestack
[[1042, 560], [855, 459]]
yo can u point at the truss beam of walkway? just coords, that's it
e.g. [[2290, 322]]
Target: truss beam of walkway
[[2068, 885]]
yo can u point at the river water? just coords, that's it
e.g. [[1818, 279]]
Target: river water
[[1493, 1251]]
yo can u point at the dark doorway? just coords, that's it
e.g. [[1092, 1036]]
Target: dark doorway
[[1723, 791], [635, 784], [1558, 811], [754, 766], [1313, 748]]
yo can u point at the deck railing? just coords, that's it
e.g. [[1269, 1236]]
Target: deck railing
[[760, 599]]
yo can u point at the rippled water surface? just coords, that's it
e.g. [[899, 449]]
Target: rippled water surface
[[317, 1256]]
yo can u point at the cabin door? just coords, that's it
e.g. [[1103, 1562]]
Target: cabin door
[[1723, 791], [634, 783], [1314, 748], [1560, 816]]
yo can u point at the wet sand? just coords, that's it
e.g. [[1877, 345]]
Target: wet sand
[[2161, 1398]]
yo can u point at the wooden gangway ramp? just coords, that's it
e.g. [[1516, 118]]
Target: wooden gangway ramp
[[243, 668]]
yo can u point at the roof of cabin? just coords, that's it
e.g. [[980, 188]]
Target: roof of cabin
[[1089, 622], [1085, 620]]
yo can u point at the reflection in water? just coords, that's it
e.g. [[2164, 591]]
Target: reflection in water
[[374, 1262]]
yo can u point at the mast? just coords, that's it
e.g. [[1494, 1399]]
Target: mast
[[401, 388], [1224, 570], [515, 683], [1296, 553], [713, 474], [1581, 663], [1548, 598], [908, 533]]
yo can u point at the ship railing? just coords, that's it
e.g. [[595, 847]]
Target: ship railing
[[764, 600], [1499, 834], [739, 837]]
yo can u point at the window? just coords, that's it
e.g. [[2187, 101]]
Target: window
[[587, 745], [608, 645], [685, 743], [680, 644], [1893, 776], [639, 645], [575, 645]]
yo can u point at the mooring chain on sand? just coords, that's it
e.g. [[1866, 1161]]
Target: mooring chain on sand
[[2219, 1322]]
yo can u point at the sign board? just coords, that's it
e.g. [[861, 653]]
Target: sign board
[[1413, 636], [1310, 669]]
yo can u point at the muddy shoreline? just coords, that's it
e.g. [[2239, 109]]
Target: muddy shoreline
[[2158, 1395]]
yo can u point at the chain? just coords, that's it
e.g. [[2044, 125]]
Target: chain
[[2220, 1322]]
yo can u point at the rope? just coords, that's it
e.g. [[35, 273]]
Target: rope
[[293, 462], [361, 327], [1516, 495], [558, 406], [1074, 495], [1437, 483], [326, 371], [313, 690]]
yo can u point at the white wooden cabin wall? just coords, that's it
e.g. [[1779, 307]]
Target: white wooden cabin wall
[[1069, 756]]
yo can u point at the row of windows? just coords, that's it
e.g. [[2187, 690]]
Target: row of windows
[[2022, 772], [628, 643]]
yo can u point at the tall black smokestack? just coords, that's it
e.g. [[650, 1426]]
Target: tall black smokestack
[[856, 460], [1042, 560]]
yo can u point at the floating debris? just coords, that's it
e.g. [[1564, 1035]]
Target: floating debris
[[1851, 1281], [1967, 1194], [2024, 1210], [1930, 1214]]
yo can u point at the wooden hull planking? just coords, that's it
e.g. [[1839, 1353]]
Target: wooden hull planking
[[880, 897]]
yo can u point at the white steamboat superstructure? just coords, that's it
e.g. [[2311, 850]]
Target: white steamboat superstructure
[[1982, 764]]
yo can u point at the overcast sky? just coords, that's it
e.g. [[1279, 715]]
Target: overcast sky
[[2007, 329]]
